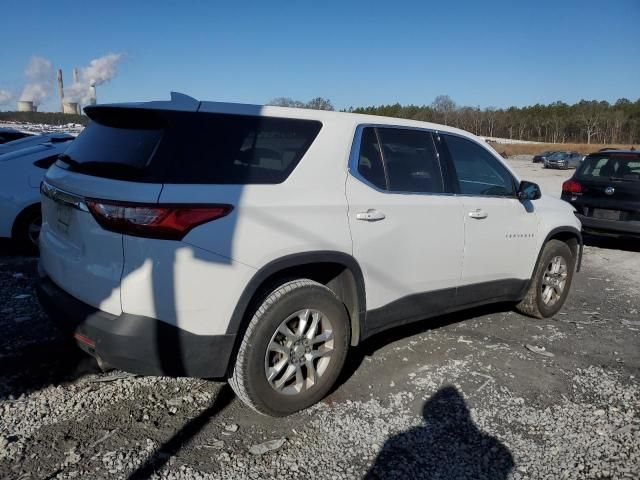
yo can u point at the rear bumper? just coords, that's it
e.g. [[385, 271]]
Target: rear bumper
[[611, 226], [135, 343]]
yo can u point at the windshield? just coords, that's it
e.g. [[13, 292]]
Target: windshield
[[618, 167], [559, 156]]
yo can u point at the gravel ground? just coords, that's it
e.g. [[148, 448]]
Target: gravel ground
[[470, 395]]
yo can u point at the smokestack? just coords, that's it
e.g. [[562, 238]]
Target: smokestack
[[76, 80], [60, 90], [92, 93]]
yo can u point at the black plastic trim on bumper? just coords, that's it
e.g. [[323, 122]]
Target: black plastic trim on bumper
[[136, 343], [611, 226]]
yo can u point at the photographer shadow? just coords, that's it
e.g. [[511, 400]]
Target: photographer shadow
[[447, 446]]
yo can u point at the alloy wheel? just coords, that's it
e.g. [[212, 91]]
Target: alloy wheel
[[554, 280], [299, 352]]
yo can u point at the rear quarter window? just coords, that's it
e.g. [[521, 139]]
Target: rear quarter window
[[236, 149]]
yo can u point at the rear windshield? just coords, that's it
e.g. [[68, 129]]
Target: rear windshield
[[188, 147], [100, 149], [610, 167]]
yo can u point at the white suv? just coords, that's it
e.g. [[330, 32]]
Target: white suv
[[258, 243]]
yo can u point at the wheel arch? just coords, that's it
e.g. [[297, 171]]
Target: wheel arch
[[338, 271], [569, 235]]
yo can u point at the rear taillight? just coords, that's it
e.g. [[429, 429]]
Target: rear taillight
[[571, 186], [171, 222]]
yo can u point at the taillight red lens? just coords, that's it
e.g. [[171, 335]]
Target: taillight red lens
[[571, 186], [171, 222]]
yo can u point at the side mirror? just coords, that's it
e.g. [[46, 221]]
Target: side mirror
[[529, 191]]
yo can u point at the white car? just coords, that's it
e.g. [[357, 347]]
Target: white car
[[33, 140], [21, 172], [259, 243]]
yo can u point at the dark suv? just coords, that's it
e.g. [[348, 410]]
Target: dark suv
[[605, 190]]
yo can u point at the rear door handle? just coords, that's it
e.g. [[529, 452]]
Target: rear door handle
[[478, 213], [370, 215]]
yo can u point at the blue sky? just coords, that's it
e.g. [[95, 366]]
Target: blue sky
[[487, 53]]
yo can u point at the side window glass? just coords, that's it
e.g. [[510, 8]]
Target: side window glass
[[411, 161], [479, 172], [369, 159], [233, 149]]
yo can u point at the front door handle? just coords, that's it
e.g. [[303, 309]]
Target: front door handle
[[370, 215], [478, 214]]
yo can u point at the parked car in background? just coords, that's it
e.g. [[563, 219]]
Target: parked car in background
[[10, 134], [564, 160], [605, 190], [541, 157], [254, 243], [34, 140], [21, 172]]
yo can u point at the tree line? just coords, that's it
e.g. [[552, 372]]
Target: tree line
[[588, 121]]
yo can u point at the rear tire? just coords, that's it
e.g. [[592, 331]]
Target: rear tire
[[293, 349], [26, 229], [551, 281]]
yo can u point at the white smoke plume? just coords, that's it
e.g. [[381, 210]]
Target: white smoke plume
[[5, 96], [99, 71], [40, 77]]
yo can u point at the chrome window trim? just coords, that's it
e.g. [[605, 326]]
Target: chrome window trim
[[352, 168], [61, 196]]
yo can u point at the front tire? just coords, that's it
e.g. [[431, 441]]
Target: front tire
[[551, 281], [293, 349]]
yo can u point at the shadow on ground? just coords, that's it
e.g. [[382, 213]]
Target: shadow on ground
[[189, 430], [370, 346], [34, 354], [447, 446], [626, 244]]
